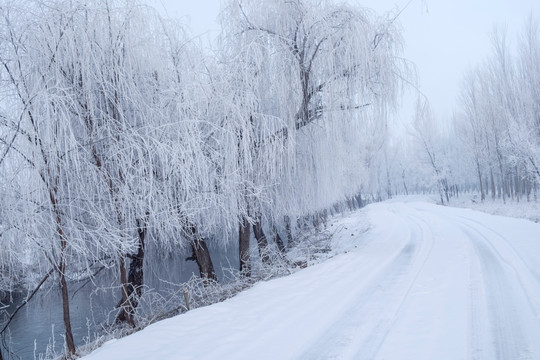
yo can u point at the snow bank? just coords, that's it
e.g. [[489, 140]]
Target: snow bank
[[425, 282]]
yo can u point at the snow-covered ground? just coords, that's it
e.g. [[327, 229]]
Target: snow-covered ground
[[522, 209], [425, 282]]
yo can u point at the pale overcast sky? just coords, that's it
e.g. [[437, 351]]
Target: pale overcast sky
[[444, 38]]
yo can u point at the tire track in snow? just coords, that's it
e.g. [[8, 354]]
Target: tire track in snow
[[494, 291], [512, 258], [371, 345], [477, 309], [349, 337], [510, 249]]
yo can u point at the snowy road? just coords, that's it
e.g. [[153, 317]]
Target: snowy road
[[426, 282]]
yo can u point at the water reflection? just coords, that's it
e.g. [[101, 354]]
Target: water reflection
[[39, 324]]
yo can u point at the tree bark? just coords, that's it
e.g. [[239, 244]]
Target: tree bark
[[261, 241], [203, 259], [132, 288], [280, 245], [201, 255], [288, 231], [492, 179], [244, 234], [479, 173], [279, 242], [404, 183], [126, 311], [136, 267], [61, 269], [360, 202], [65, 309], [445, 187], [517, 184], [528, 189]]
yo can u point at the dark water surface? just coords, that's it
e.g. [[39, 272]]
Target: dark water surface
[[39, 324]]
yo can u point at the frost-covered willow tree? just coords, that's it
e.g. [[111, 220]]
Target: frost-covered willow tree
[[198, 191], [111, 147], [103, 64], [46, 145], [121, 133], [71, 82], [322, 76]]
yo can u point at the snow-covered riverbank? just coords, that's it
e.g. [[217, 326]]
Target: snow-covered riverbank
[[425, 282]]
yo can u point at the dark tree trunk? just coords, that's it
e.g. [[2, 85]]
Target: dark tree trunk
[[479, 173], [136, 270], [132, 288], [65, 309], [203, 259], [61, 269], [445, 184], [279, 241], [201, 255], [492, 179], [244, 233], [517, 184], [261, 241], [350, 204], [404, 183], [288, 231], [359, 200], [528, 190], [126, 310]]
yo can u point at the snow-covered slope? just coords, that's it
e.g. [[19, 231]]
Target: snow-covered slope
[[426, 282]]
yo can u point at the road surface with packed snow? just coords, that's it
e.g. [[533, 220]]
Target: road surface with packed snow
[[425, 282]]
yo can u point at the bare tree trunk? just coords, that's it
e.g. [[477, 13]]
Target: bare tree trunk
[[479, 172], [261, 241], [388, 181], [350, 204], [445, 187], [132, 287], [203, 259], [126, 311], [136, 267], [288, 231], [492, 179], [279, 241], [359, 200], [517, 184], [61, 269], [502, 177], [244, 234], [529, 189], [404, 183], [201, 254], [65, 309], [65, 298]]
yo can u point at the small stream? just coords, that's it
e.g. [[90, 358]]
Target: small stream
[[39, 325]]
